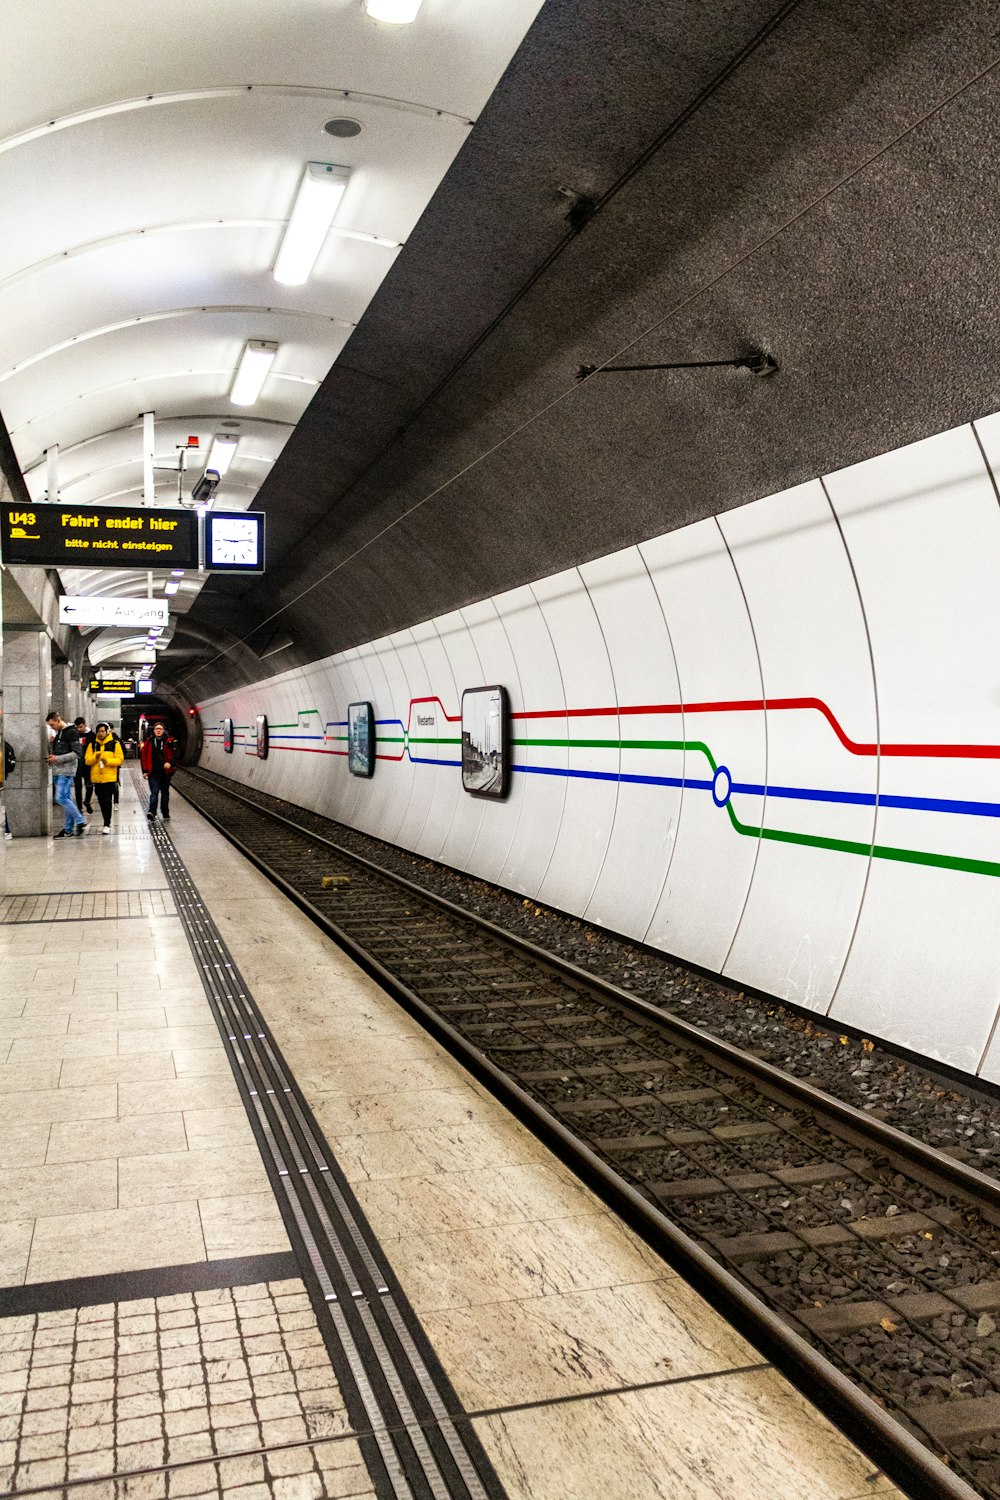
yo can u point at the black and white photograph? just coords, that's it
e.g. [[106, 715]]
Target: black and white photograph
[[360, 739], [262, 737], [485, 755]]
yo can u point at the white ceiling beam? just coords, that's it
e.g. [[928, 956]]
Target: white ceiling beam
[[163, 317], [152, 231], [228, 91]]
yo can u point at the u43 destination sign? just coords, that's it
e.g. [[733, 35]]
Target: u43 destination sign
[[99, 536]]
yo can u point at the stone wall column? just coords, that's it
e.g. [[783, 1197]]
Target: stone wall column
[[27, 673], [60, 697]]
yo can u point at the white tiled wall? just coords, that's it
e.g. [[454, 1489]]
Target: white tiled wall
[[872, 595]]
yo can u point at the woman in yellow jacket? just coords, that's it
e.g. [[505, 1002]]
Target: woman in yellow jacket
[[104, 756]]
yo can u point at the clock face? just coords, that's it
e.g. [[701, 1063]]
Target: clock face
[[235, 542]]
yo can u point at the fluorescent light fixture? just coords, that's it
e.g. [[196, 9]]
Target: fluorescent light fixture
[[171, 588], [222, 454], [253, 370], [396, 12], [318, 199]]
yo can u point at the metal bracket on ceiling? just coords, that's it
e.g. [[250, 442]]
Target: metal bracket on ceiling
[[756, 362]]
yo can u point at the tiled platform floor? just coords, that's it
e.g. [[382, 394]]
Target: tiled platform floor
[[588, 1368], [123, 1142], [239, 1374]]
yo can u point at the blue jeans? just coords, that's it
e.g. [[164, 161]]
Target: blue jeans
[[64, 796], [159, 786]]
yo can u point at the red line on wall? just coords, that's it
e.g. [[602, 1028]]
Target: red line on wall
[[756, 705], [432, 698]]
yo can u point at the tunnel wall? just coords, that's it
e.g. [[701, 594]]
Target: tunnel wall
[[766, 743]]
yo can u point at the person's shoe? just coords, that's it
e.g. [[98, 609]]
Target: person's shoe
[[106, 829], [164, 817], [80, 830], [61, 834]]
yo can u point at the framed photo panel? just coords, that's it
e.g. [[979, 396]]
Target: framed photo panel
[[360, 739], [486, 742], [228, 738], [263, 743]]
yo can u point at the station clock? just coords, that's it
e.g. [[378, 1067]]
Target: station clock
[[234, 542]]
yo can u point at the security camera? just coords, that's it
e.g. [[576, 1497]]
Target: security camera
[[206, 487]]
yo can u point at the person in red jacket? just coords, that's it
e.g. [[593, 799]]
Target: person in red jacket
[[159, 758]]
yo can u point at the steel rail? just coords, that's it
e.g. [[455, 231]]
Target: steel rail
[[901, 1456], [939, 1167]]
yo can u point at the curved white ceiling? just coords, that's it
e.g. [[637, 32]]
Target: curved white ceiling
[[148, 165], [147, 170]]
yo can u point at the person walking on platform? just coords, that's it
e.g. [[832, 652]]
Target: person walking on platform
[[104, 756], [81, 782], [64, 757], [158, 758]]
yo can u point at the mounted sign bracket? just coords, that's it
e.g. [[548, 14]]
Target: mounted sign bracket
[[756, 363]]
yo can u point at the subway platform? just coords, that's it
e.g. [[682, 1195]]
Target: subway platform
[[193, 1304]]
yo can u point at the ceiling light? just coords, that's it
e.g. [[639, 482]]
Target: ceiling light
[[319, 195], [222, 454], [396, 12], [177, 572], [171, 588], [258, 357]]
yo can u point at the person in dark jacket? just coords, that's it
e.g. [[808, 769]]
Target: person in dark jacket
[[82, 788], [64, 757], [158, 758]]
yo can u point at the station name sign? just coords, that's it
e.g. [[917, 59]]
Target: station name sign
[[98, 536]]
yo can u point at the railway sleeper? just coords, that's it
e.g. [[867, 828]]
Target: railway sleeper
[[881, 1227], [848, 1317], [947, 1421], [714, 1187]]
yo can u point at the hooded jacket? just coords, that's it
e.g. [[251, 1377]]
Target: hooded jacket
[[66, 748], [104, 756]]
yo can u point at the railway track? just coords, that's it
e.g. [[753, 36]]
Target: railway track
[[863, 1262]]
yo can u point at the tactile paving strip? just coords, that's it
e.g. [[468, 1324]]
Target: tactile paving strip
[[85, 906], [404, 1412]]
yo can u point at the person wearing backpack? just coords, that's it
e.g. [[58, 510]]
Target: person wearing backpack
[[104, 755], [64, 757]]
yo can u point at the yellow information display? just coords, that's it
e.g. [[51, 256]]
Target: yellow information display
[[98, 536]]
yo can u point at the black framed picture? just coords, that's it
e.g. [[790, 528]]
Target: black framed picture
[[360, 739], [226, 730], [263, 743], [486, 742]]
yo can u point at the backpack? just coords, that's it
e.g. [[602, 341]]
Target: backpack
[[9, 759]]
